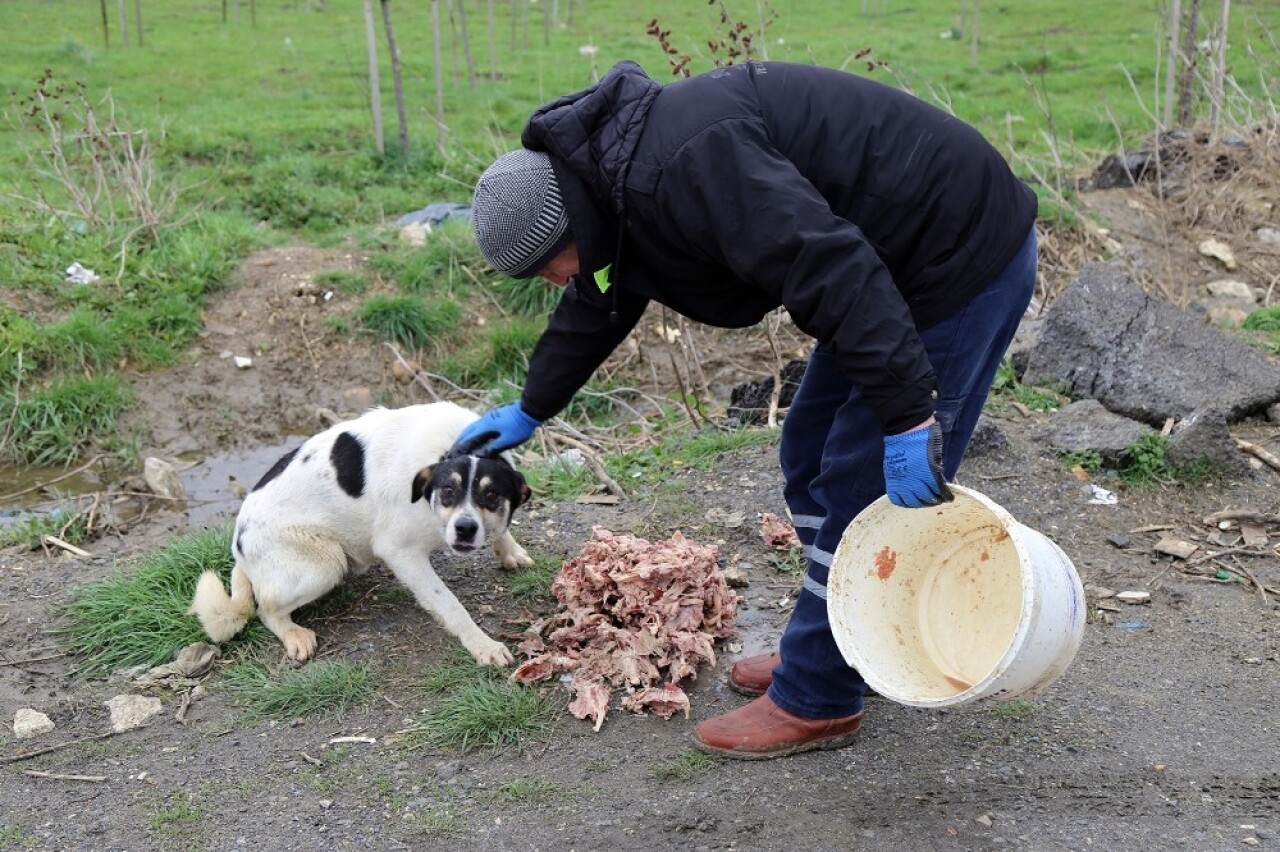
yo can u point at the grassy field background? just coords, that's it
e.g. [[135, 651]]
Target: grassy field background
[[257, 122]]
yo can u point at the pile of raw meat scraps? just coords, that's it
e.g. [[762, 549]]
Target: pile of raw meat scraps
[[634, 616]]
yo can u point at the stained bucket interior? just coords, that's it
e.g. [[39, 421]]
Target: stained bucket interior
[[928, 604]]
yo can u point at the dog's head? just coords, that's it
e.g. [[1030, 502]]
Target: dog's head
[[474, 497]]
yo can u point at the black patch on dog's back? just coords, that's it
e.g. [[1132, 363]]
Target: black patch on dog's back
[[277, 468], [347, 456]]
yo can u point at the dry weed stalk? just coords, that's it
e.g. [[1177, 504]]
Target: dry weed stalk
[[92, 168]]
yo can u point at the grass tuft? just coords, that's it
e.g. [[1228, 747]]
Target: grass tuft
[[478, 707], [532, 585], [140, 617], [686, 767], [72, 528], [408, 320], [330, 687], [52, 425]]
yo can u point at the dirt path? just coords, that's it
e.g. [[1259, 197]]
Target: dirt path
[[1164, 733]]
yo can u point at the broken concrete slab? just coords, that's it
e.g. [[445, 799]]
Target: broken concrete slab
[[1140, 356], [1203, 436], [1087, 426]]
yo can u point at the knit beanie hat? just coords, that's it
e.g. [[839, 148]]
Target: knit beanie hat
[[518, 215]]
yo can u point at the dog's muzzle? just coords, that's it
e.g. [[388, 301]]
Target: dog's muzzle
[[464, 533]]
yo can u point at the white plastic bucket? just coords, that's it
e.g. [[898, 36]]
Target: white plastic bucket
[[955, 603]]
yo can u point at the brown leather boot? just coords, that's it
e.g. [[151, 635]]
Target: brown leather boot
[[752, 675], [761, 730]]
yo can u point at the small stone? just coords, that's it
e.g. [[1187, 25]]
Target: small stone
[[1229, 287], [1120, 540], [403, 372], [132, 711], [31, 723], [163, 479]]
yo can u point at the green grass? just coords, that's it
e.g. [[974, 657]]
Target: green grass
[[529, 791], [1266, 322], [532, 585], [139, 616], [72, 528], [319, 687], [408, 320], [350, 283], [179, 825], [1144, 465], [1007, 388], [528, 297], [478, 707], [54, 423], [687, 766], [678, 450]]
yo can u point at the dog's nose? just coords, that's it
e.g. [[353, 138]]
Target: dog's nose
[[465, 528]]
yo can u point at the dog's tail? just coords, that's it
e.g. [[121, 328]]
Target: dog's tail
[[221, 615]]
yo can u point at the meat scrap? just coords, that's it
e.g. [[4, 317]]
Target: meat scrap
[[635, 616], [777, 533]]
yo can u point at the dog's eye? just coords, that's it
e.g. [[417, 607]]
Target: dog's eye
[[446, 493]]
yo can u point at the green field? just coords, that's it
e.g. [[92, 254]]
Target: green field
[[258, 129]]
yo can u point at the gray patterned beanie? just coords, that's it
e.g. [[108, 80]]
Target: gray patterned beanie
[[519, 218]]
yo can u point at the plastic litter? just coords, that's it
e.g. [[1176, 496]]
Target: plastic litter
[[436, 214], [77, 273]]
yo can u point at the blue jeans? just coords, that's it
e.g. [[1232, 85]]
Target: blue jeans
[[832, 457]]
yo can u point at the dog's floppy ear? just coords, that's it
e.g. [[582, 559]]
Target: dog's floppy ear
[[524, 491], [422, 484]]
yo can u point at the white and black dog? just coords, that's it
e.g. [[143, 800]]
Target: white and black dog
[[349, 497]]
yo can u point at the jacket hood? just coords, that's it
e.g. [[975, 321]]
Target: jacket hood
[[591, 136]]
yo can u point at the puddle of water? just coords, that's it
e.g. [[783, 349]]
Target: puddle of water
[[25, 501], [759, 629], [217, 483]]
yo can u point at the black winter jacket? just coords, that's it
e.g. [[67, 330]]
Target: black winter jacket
[[864, 211]]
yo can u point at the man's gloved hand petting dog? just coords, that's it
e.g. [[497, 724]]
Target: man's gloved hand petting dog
[[891, 232]]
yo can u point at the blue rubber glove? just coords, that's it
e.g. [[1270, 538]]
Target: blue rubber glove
[[913, 468], [497, 429]]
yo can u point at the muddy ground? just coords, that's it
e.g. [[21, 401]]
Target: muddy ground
[[1164, 733]]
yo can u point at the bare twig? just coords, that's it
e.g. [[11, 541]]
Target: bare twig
[[60, 776], [771, 329], [1241, 515], [21, 663], [592, 461], [67, 546], [1263, 454], [185, 704], [1247, 574], [14, 758]]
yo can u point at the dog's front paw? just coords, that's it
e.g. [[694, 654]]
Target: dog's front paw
[[489, 652], [511, 555], [299, 643]]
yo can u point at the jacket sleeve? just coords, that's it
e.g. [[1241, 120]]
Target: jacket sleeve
[[581, 333], [742, 204]]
